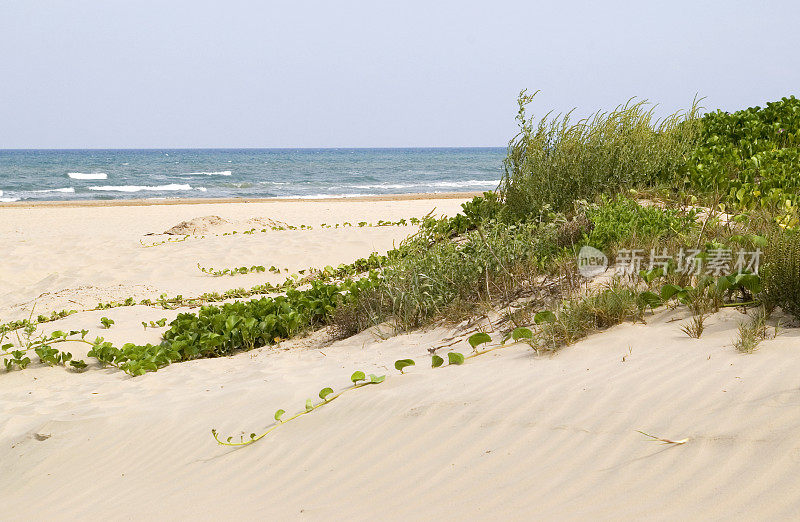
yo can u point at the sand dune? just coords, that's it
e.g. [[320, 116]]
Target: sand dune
[[508, 435]]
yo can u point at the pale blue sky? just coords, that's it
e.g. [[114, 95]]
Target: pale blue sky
[[191, 73]]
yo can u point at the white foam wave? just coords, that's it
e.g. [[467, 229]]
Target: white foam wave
[[140, 188], [66, 190], [87, 175], [434, 184], [218, 173], [323, 196]]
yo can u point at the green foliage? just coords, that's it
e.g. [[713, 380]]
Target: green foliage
[[478, 339], [623, 220], [429, 274], [436, 361], [232, 271], [556, 162], [752, 332], [781, 273], [521, 333], [106, 322], [750, 157], [581, 316], [326, 394], [455, 358], [401, 364]]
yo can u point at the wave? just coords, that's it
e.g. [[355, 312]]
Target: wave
[[434, 184], [87, 175], [218, 173], [66, 190], [140, 188], [324, 196]]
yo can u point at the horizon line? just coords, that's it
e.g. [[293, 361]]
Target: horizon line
[[250, 148]]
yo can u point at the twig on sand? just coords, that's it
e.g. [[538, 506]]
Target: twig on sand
[[663, 441]]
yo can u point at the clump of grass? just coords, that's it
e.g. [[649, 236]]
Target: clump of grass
[[752, 332], [695, 327], [556, 162], [581, 316], [781, 272], [435, 277]]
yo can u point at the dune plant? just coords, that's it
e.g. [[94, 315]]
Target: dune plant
[[232, 271], [327, 396], [552, 163]]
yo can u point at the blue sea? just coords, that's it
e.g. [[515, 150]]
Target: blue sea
[[31, 175]]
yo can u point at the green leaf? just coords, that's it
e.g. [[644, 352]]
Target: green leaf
[[521, 333], [374, 379], [324, 392], [403, 363], [309, 405], [455, 358], [669, 291], [478, 339], [436, 361], [358, 376], [279, 414], [758, 241], [651, 300], [545, 316]]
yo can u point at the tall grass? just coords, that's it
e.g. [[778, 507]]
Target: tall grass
[[430, 278], [555, 162], [781, 272]]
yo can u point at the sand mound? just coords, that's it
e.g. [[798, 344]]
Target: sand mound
[[198, 225], [266, 222]]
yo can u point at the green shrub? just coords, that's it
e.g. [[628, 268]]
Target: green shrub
[[581, 316], [557, 162], [622, 219], [781, 272], [749, 157], [432, 276]]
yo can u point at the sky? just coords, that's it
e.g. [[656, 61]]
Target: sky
[[304, 73]]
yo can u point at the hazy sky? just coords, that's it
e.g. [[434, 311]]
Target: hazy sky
[[303, 73]]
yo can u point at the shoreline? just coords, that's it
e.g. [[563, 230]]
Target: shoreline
[[81, 203]]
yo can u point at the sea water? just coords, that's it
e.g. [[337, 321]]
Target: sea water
[[30, 175]]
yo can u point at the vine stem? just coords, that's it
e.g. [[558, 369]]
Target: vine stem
[[296, 415]]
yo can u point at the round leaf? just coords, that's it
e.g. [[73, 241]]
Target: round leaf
[[374, 379], [436, 361], [455, 358], [279, 414], [358, 376], [403, 363], [478, 339], [545, 316], [521, 333], [324, 392]]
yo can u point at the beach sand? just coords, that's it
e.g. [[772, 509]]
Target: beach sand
[[507, 435]]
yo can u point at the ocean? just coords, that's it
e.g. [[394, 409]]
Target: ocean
[[39, 175]]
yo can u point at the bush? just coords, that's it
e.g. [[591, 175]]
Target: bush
[[557, 162], [624, 220], [431, 276], [749, 157], [781, 272]]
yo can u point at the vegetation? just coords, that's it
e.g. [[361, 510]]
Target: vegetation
[[616, 180], [554, 162]]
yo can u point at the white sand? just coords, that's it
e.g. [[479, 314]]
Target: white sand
[[508, 435]]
